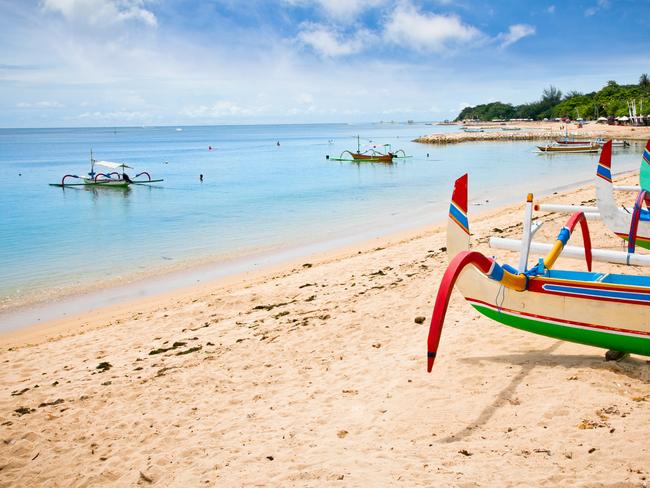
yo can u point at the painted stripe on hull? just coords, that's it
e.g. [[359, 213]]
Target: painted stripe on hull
[[643, 298], [604, 173], [620, 341], [459, 217], [643, 242], [538, 284]]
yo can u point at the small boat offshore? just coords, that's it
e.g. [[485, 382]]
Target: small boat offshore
[[117, 178]]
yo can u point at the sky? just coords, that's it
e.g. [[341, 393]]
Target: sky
[[75, 63]]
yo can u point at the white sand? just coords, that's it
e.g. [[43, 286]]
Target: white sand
[[327, 385]]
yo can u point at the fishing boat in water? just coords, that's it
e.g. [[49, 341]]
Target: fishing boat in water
[[566, 142], [615, 143], [117, 178], [570, 147], [605, 310], [371, 154]]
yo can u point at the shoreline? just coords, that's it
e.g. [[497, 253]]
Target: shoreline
[[37, 332], [534, 131], [50, 313]]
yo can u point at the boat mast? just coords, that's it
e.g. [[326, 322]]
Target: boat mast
[[358, 144]]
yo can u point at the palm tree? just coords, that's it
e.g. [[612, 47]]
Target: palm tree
[[644, 81]]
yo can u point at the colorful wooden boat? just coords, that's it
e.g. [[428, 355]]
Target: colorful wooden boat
[[632, 226], [113, 179], [570, 148], [371, 154], [615, 143], [598, 309], [568, 142]]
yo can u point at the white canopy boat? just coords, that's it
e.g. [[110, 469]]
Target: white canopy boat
[[118, 178]]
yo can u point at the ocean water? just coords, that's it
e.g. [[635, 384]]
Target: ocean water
[[257, 197]]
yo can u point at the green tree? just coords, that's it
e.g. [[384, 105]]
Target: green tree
[[551, 95]]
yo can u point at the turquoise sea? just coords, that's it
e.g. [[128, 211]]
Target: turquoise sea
[[257, 198]]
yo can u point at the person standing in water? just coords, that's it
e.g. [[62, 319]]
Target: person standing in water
[[201, 177]]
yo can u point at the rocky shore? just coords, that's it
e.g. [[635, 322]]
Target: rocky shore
[[534, 131]]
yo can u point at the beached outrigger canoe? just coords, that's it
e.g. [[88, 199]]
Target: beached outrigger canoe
[[634, 225], [599, 309], [117, 178]]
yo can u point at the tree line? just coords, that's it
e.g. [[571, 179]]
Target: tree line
[[609, 101]]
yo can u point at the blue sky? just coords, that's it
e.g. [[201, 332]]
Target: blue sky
[[147, 62]]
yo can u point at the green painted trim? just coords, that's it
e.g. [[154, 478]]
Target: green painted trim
[[640, 243], [606, 340]]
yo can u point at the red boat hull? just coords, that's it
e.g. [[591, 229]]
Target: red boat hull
[[385, 158]]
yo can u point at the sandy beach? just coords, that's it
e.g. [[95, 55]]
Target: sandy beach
[[535, 131], [315, 375]]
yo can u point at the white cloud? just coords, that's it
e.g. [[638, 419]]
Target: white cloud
[[551, 9], [101, 12], [117, 116], [341, 10], [425, 31], [329, 43], [41, 104], [222, 108], [305, 98], [515, 33], [600, 4]]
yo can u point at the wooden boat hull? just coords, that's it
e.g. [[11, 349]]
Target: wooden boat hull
[[602, 310], [581, 333], [580, 143], [570, 148], [615, 218], [106, 183], [379, 158]]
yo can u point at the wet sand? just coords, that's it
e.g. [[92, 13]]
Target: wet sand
[[315, 375]]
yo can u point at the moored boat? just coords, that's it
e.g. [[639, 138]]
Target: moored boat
[[615, 143], [371, 154], [117, 178], [577, 143], [570, 148]]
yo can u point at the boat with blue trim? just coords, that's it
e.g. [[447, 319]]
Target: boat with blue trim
[[631, 225], [605, 310]]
